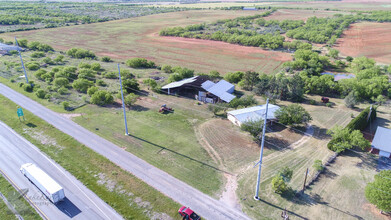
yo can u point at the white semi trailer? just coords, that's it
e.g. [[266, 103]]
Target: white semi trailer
[[52, 190]]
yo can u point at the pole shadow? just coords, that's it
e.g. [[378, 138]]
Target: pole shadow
[[182, 155]]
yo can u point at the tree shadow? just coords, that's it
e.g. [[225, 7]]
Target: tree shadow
[[329, 174], [320, 133], [282, 209], [368, 161], [275, 143], [139, 108], [182, 155]]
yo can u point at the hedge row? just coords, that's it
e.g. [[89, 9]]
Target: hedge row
[[360, 122]]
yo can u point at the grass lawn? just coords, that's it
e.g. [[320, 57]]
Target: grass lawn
[[121, 190], [139, 37], [347, 176], [166, 141], [18, 201]]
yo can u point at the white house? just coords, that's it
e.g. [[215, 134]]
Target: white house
[[252, 114], [382, 142]]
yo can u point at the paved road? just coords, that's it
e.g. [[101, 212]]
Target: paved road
[[80, 202], [179, 191]]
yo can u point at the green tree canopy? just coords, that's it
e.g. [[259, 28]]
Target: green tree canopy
[[293, 114], [102, 98], [344, 138], [378, 192]]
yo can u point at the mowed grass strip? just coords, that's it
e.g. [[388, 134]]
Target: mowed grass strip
[[125, 193], [18, 201]]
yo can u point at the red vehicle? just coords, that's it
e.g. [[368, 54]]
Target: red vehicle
[[188, 214], [325, 99]]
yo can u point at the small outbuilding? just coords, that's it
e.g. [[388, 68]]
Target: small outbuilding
[[5, 49], [382, 142], [202, 89], [238, 117]]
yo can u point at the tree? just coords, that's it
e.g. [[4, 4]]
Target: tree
[[102, 98], [250, 78], [234, 77], [167, 68], [279, 185], [333, 53], [130, 99], [214, 75], [22, 43], [351, 100], [349, 58], [286, 174], [344, 138], [59, 59], [378, 192], [82, 85], [130, 85], [254, 127], [293, 114], [151, 83]]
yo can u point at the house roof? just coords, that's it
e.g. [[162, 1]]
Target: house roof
[[180, 83], [254, 113], [382, 139], [220, 89]]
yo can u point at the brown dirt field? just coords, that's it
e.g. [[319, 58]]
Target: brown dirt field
[[138, 37], [291, 14], [368, 39]]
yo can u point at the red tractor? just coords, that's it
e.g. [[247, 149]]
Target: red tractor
[[187, 214], [165, 109], [325, 99]]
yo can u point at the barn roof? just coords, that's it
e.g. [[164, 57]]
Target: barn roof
[[254, 113], [180, 83], [221, 89], [382, 139]]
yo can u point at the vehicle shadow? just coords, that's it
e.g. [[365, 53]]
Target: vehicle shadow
[[68, 208], [182, 155]]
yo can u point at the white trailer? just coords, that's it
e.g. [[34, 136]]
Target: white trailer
[[52, 190]]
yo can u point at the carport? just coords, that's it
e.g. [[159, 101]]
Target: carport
[[382, 142]]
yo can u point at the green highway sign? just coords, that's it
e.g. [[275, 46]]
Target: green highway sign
[[20, 112]]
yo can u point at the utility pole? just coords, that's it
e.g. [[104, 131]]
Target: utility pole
[[305, 179], [21, 60], [261, 153], [123, 101]]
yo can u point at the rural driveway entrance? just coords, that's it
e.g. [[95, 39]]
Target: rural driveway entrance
[[179, 191]]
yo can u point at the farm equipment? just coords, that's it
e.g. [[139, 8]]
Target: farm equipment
[[325, 99], [165, 109]]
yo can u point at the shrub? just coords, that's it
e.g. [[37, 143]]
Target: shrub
[[59, 59], [33, 65], [28, 87], [80, 53], [38, 54], [130, 85], [279, 185], [111, 75], [130, 99], [101, 83], [96, 66], [92, 90], [84, 65], [61, 82], [39, 73], [312, 102], [106, 59], [351, 100], [150, 82], [166, 68], [47, 60], [82, 85], [318, 165], [140, 63], [86, 74], [329, 105], [40, 93], [102, 98], [234, 77], [62, 91], [65, 105]]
